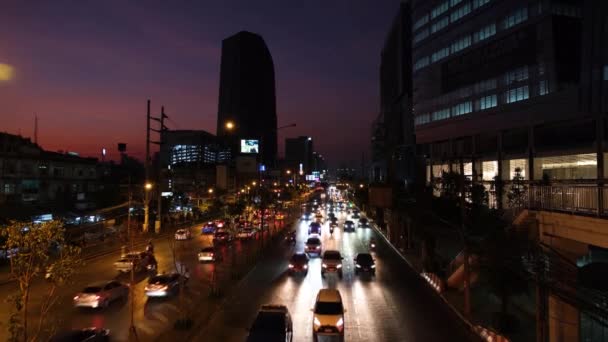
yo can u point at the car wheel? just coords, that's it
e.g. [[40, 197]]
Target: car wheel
[[105, 303]]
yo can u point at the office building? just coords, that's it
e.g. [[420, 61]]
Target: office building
[[247, 94], [299, 151]]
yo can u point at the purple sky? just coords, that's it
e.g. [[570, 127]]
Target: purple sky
[[87, 67]]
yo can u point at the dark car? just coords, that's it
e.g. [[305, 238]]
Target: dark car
[[365, 263], [333, 219], [349, 226], [314, 228], [298, 263], [82, 335], [307, 216], [363, 223], [272, 324], [221, 237]]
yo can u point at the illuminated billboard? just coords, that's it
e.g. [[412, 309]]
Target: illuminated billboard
[[250, 146]]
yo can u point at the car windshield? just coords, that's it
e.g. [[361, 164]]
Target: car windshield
[[313, 241], [159, 280], [91, 289], [207, 249], [328, 308], [332, 255], [269, 321], [364, 258], [298, 258], [348, 222]]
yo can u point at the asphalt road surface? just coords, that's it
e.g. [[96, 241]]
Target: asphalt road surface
[[395, 305]]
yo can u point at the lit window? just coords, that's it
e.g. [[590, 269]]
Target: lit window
[[462, 108], [460, 44], [422, 119], [422, 34], [515, 18], [543, 87], [484, 33], [421, 63], [486, 102], [489, 170], [437, 11], [517, 94], [438, 25], [454, 2], [460, 12], [440, 54], [479, 3], [441, 114], [516, 75], [421, 22]]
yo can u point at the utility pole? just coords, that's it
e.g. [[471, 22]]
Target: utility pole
[[35, 128], [147, 170], [465, 250], [132, 329], [161, 120]]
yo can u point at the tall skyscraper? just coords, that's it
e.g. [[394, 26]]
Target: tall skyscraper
[[247, 93], [299, 151]]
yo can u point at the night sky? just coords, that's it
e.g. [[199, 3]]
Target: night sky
[[86, 68]]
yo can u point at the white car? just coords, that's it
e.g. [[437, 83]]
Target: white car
[[245, 233], [328, 314], [182, 234], [207, 254], [101, 294]]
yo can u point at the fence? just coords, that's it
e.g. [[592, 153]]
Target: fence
[[580, 199]]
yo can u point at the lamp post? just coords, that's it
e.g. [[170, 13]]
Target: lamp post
[[147, 188]]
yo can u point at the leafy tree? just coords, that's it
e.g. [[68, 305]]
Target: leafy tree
[[516, 195], [37, 250], [449, 185]]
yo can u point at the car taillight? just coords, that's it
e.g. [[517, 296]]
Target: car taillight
[[75, 298]]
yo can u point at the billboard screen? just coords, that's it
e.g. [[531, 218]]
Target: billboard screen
[[250, 146]]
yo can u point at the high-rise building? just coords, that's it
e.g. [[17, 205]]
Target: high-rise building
[[299, 151], [247, 93]]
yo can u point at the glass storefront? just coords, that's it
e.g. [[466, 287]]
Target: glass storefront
[[574, 166]]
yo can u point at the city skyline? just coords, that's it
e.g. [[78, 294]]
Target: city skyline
[[94, 83]]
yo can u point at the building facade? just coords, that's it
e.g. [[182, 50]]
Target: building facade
[[247, 93], [299, 151], [33, 179], [393, 141]]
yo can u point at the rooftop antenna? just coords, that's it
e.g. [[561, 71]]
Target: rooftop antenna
[[35, 129]]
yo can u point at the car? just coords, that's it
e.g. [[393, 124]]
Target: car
[[364, 262], [349, 226], [298, 263], [306, 216], [182, 234], [314, 228], [273, 323], [208, 228], [333, 220], [221, 236], [328, 314], [220, 223], [207, 254], [245, 233], [138, 261], [355, 215], [279, 216], [333, 226], [363, 223], [331, 262], [100, 295], [164, 285], [313, 246], [82, 335]]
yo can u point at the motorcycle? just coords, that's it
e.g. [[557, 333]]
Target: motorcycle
[[372, 245], [331, 230]]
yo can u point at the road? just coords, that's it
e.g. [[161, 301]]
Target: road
[[395, 305], [151, 317]]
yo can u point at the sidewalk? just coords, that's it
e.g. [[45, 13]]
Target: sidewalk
[[483, 302]]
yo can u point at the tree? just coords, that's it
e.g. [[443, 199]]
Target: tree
[[38, 250], [516, 196]]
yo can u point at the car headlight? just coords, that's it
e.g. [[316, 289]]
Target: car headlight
[[290, 266], [324, 265], [317, 322], [373, 266], [340, 322], [305, 266], [339, 266], [357, 265]]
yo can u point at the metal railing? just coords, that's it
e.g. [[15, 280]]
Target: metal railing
[[579, 199]]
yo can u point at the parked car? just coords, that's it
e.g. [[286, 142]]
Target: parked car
[[273, 323], [139, 261], [328, 314], [82, 335], [100, 295], [182, 234], [164, 285]]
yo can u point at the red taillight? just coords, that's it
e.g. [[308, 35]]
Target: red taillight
[[211, 254]]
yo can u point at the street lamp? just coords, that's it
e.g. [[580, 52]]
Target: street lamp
[[210, 191], [229, 125], [254, 183], [361, 186], [288, 172], [147, 187]]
